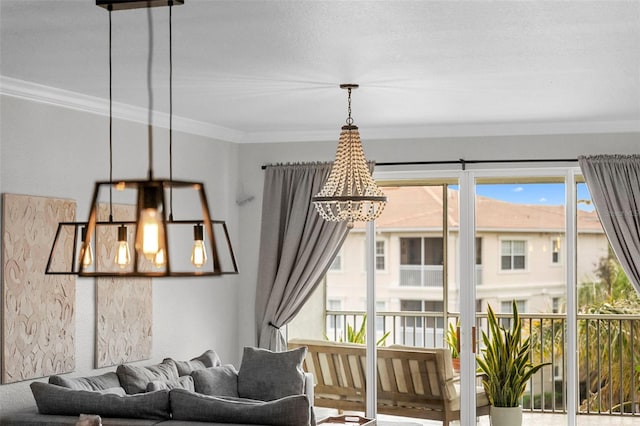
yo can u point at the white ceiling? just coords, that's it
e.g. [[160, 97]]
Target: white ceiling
[[269, 70]]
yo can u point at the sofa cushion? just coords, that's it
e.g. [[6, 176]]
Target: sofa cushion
[[52, 399], [184, 382], [216, 381], [206, 360], [288, 411], [101, 382], [135, 379], [266, 375]]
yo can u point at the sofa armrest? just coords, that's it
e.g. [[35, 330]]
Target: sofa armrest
[[308, 386]]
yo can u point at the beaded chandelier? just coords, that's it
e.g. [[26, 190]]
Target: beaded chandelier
[[350, 194]]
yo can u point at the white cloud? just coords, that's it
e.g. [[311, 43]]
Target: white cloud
[[542, 200], [518, 189]]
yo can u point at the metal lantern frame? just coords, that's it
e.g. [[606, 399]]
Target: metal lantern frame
[[150, 196], [140, 267]]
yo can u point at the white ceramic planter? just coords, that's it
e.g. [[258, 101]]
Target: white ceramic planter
[[506, 416]]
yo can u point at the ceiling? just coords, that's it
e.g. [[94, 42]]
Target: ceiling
[[250, 71]]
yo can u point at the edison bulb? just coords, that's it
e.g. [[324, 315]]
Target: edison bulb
[[199, 252], [123, 255], [151, 225], [159, 260], [86, 252], [86, 255]]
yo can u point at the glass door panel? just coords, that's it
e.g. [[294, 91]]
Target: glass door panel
[[520, 245]]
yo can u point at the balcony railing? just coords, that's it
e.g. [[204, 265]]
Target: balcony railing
[[609, 354], [427, 275]]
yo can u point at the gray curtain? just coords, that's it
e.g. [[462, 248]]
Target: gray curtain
[[296, 247], [614, 184]]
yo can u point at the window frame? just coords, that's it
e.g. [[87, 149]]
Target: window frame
[[382, 256], [513, 270]]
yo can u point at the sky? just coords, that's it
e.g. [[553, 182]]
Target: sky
[[552, 194]]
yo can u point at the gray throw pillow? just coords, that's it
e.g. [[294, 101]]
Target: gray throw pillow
[[101, 382], [184, 382], [266, 375], [135, 379], [58, 400], [288, 411], [206, 360], [216, 381]]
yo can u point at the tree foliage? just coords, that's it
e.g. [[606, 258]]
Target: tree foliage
[[609, 349]]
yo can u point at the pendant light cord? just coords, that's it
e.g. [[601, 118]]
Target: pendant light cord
[[170, 111], [110, 126], [150, 93]]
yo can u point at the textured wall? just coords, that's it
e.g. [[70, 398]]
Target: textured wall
[[38, 311]]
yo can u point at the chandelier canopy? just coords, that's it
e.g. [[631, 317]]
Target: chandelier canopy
[[350, 193]]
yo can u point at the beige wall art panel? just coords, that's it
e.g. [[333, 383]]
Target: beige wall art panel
[[38, 310], [124, 312]]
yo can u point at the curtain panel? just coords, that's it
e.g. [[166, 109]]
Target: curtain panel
[[296, 247], [614, 184]]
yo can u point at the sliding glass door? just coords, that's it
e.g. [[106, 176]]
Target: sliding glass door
[[452, 243]]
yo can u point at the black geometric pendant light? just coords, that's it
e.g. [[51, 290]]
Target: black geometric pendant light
[[166, 242]]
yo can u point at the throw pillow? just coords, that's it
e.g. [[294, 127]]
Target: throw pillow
[[216, 381], [184, 382], [104, 381], [135, 379], [288, 411], [206, 360], [58, 400], [266, 375]]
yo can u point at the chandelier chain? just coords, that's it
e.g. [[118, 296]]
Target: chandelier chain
[[349, 119]]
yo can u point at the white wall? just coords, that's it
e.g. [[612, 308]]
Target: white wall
[[253, 156], [57, 152]]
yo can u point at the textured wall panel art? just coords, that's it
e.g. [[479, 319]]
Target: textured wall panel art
[[123, 305], [38, 310]]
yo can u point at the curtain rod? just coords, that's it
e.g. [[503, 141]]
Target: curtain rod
[[463, 163]]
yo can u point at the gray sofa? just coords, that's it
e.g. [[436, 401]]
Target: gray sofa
[[269, 389]]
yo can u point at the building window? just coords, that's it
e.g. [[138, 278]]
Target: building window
[[421, 261], [478, 251], [513, 255], [433, 251], [336, 265], [555, 250], [555, 308], [380, 256]]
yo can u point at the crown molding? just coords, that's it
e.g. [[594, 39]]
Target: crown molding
[[66, 99], [94, 105]]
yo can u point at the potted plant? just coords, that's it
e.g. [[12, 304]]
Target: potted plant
[[507, 367], [452, 338]]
